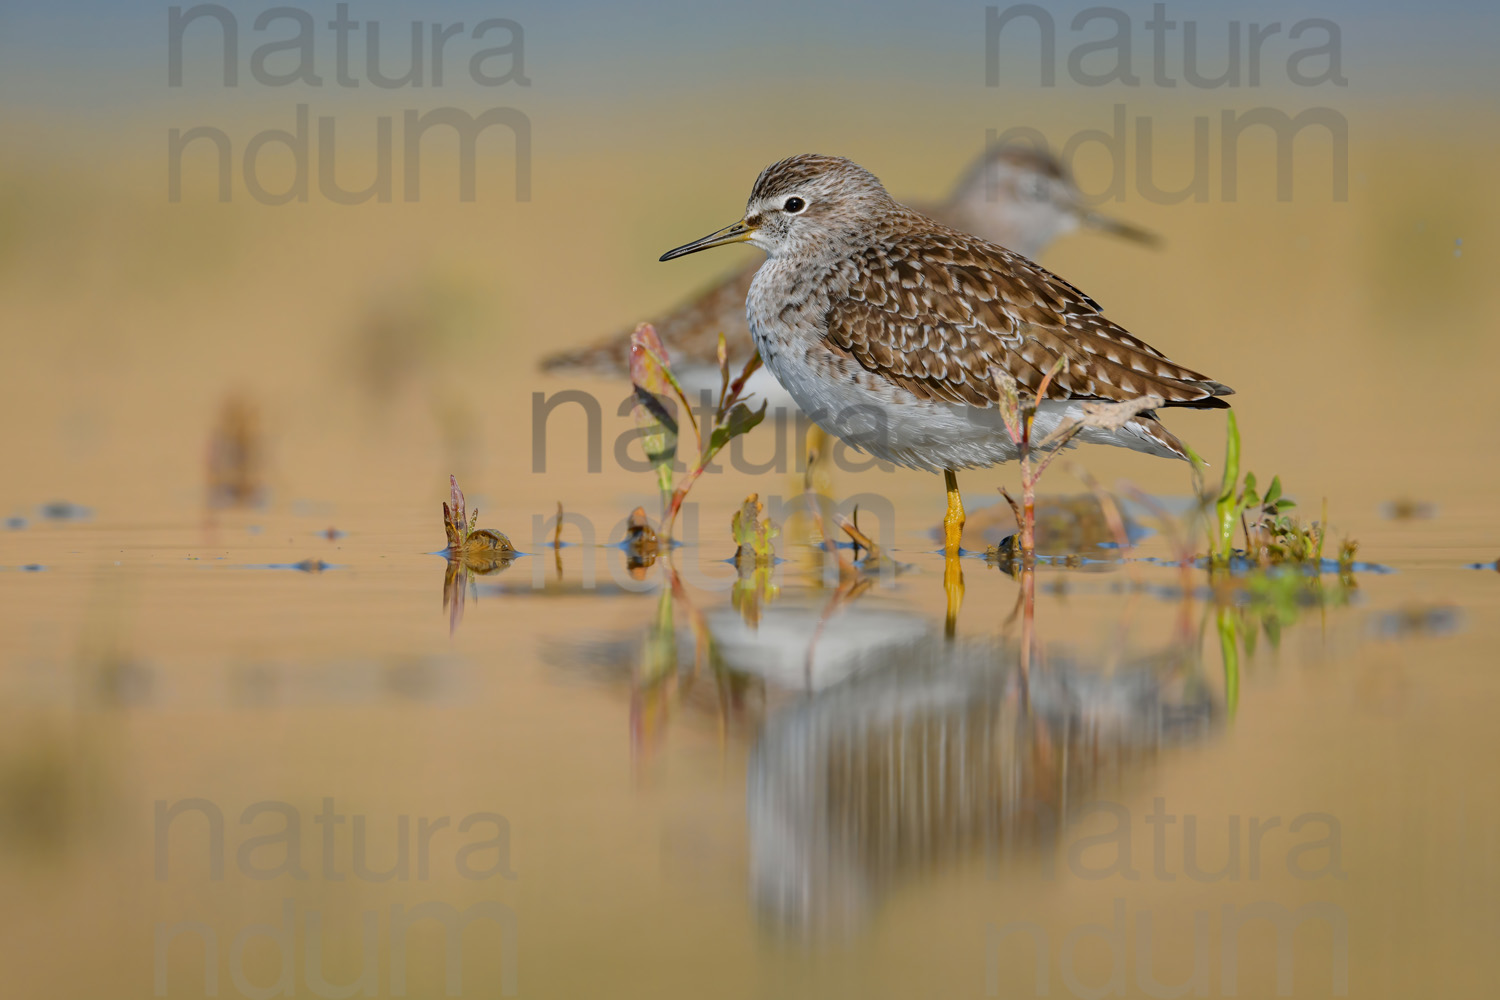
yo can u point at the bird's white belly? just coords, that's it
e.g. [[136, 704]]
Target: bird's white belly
[[882, 419], [890, 423]]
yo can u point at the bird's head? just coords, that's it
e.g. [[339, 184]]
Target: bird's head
[[805, 205]]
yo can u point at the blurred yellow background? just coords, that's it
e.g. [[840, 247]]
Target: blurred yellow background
[[382, 346]]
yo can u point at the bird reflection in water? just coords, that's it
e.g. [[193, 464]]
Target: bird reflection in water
[[884, 748], [946, 751]]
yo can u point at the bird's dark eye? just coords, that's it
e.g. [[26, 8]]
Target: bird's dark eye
[[793, 205]]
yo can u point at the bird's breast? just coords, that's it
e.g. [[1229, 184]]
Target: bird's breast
[[787, 304]]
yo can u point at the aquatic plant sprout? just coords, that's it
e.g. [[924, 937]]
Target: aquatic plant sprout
[[1272, 536], [471, 550], [651, 375]]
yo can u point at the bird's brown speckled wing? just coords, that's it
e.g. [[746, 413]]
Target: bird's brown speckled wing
[[933, 310]]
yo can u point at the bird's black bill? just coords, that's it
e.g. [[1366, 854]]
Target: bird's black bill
[[1125, 230], [737, 233]]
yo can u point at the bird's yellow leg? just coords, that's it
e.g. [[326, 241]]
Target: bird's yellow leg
[[819, 445], [953, 521], [817, 441], [953, 533]]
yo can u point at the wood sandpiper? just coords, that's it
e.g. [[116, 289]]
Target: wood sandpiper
[[1013, 195], [885, 326]]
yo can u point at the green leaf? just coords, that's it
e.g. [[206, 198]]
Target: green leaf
[[658, 432], [1231, 459], [741, 420], [1224, 508], [1229, 651], [660, 449], [1273, 492]]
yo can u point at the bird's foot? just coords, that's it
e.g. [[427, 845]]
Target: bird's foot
[[953, 520]]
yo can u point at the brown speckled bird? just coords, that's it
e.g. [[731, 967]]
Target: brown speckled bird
[[1013, 195], [886, 327]]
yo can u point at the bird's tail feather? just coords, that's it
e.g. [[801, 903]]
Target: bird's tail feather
[[1164, 441]]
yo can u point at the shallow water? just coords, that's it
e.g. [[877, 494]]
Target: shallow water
[[841, 798]]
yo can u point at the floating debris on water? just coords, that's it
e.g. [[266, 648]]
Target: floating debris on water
[[754, 538], [15, 523], [464, 539], [1407, 509], [332, 534], [641, 544], [1068, 524], [305, 566], [1489, 565], [63, 510], [1006, 557]]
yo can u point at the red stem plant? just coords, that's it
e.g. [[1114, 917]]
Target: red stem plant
[[1020, 415], [651, 373]]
